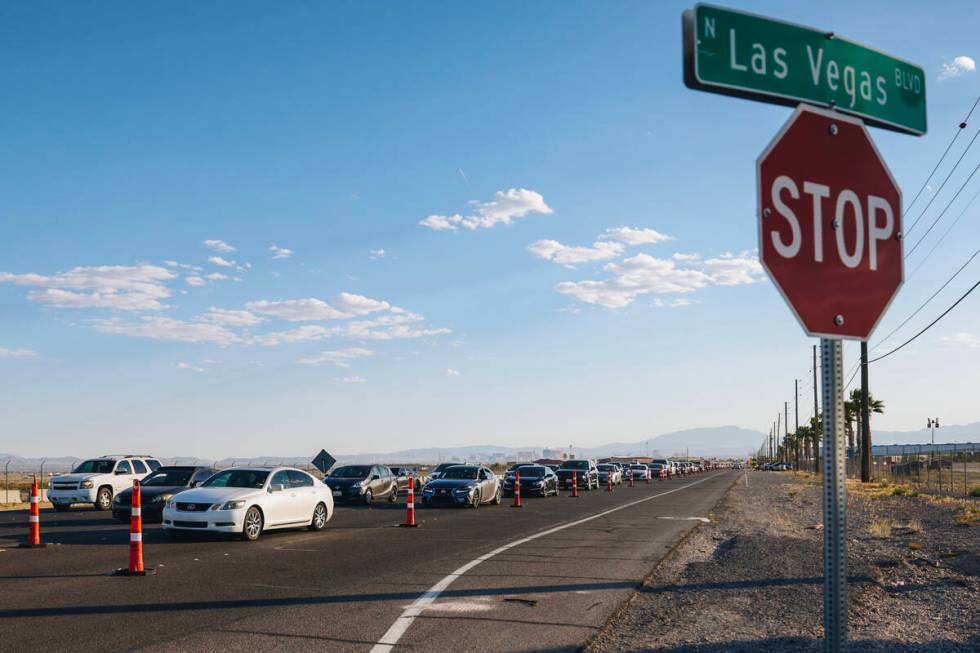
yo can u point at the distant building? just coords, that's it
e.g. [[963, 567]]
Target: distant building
[[551, 453], [525, 456]]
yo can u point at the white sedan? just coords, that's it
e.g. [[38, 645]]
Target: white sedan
[[250, 500]]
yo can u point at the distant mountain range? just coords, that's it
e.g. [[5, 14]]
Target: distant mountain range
[[720, 441]]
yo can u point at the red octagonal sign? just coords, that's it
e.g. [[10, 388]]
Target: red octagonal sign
[[830, 223]]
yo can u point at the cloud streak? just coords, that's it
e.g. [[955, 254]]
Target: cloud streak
[[504, 208]]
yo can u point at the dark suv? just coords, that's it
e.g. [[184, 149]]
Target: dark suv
[[585, 472], [362, 484]]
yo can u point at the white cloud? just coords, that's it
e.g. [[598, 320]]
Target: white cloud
[[503, 209], [338, 357], [188, 366], [734, 270], [451, 372], [166, 328], [221, 262], [635, 236], [219, 246], [17, 353], [643, 274], [962, 340], [280, 252], [397, 325], [305, 333], [216, 276], [195, 280], [312, 309], [377, 253], [130, 288], [678, 256], [552, 250], [672, 303], [957, 66], [350, 380], [230, 318]]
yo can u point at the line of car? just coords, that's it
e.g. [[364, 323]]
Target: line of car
[[251, 500]]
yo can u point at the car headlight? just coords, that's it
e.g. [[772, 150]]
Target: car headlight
[[463, 490], [160, 498], [86, 485], [229, 505], [427, 490], [171, 504]]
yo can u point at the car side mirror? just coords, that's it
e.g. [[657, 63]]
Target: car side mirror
[[195, 483], [277, 487], [374, 477]]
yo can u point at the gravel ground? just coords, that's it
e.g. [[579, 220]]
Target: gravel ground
[[752, 579]]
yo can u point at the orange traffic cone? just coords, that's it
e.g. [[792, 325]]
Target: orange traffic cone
[[410, 503]]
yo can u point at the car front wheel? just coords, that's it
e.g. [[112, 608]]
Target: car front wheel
[[393, 495], [252, 527], [319, 518], [368, 498], [477, 500], [103, 500]]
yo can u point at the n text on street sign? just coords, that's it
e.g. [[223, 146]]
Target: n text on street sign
[[323, 461], [830, 223], [742, 54]]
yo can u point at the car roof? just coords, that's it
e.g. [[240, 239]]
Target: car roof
[[183, 467]]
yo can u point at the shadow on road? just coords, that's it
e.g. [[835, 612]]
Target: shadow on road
[[235, 604]]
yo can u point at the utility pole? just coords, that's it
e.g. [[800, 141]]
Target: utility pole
[[796, 409], [779, 420], [786, 432], [816, 416], [865, 417]]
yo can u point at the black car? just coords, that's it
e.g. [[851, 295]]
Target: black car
[[362, 484], [156, 488], [535, 479], [585, 472], [463, 485]]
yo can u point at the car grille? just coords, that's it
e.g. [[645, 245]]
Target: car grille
[[193, 507], [191, 524], [64, 486]]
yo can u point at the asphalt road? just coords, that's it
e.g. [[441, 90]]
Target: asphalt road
[[510, 580]]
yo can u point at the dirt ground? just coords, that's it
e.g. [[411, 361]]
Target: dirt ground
[[752, 579]]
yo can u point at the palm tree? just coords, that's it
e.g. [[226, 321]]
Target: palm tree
[[852, 411]]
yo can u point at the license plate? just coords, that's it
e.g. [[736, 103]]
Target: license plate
[[337, 493]]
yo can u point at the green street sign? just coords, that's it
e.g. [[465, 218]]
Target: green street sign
[[741, 54]]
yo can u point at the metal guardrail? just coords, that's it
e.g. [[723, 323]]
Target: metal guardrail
[[913, 449]]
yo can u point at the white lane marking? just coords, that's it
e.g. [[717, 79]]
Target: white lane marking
[[401, 625]]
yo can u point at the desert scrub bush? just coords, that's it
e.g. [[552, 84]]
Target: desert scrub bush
[[975, 492]]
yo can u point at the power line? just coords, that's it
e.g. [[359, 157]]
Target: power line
[[931, 297], [959, 131], [929, 326], [946, 233], [943, 212]]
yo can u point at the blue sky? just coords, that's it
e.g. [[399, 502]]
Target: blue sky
[[142, 144]]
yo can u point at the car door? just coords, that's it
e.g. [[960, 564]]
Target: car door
[[280, 507], [377, 483], [139, 469], [488, 484], [122, 477], [306, 497]]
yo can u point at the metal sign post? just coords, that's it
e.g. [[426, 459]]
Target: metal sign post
[[834, 499]]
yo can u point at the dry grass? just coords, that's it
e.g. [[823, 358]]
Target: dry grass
[[882, 529], [915, 546]]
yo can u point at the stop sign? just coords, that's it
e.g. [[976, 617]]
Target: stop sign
[[830, 223]]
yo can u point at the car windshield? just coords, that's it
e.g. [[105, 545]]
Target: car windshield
[[608, 468], [638, 466], [575, 464], [462, 472], [351, 471], [167, 477], [532, 471], [95, 467], [251, 478]]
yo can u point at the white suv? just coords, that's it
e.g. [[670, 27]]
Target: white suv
[[97, 480]]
